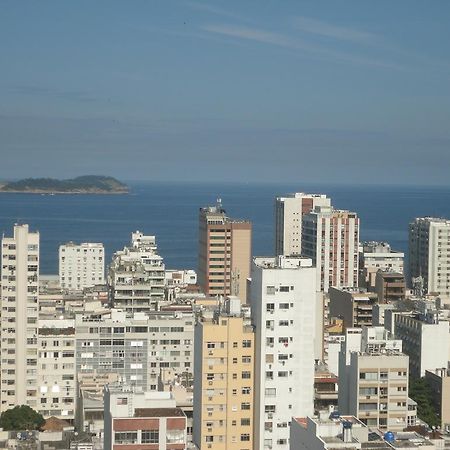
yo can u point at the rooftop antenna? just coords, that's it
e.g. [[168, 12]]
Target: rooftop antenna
[[219, 203]]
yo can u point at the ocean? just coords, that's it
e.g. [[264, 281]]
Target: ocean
[[170, 211]]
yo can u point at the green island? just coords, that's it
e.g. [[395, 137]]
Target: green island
[[88, 184]]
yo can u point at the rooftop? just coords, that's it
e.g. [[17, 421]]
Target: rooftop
[[159, 412]]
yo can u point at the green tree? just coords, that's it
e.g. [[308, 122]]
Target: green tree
[[420, 391], [21, 418]]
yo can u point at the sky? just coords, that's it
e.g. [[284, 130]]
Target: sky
[[240, 91]]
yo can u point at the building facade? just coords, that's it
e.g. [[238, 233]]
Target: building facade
[[56, 381], [224, 253], [289, 211], [373, 381], [136, 347], [426, 339], [352, 305], [137, 275], [142, 420], [223, 389], [375, 256], [429, 252], [81, 266], [283, 297], [330, 238], [19, 318]]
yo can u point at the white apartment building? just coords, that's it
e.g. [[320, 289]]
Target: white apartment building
[[81, 265], [373, 381], [289, 211], [429, 253], [142, 420], [375, 256], [330, 238], [136, 275], [283, 296], [329, 431], [426, 340], [136, 347], [56, 381], [19, 318]]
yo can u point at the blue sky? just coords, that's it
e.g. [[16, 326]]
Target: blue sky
[[313, 91]]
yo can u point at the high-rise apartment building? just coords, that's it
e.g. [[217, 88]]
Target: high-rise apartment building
[[81, 266], [136, 347], [137, 275], [289, 211], [19, 318], [283, 301], [429, 253], [330, 238], [56, 382], [224, 253], [223, 389], [373, 381]]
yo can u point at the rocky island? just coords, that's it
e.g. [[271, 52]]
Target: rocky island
[[89, 184]]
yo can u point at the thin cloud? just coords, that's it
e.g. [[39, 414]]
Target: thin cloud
[[211, 9], [320, 28], [81, 96], [281, 40]]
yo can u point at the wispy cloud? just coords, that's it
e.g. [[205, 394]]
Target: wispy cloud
[[321, 28], [65, 94], [208, 8], [287, 42]]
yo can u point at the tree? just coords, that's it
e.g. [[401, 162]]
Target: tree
[[420, 391], [21, 418]]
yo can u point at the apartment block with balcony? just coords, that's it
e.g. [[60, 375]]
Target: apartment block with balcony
[[224, 387], [283, 300], [56, 382], [19, 318], [137, 275], [373, 382], [375, 256], [135, 346], [390, 286], [354, 306]]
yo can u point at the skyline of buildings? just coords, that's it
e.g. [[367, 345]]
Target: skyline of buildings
[[238, 369]]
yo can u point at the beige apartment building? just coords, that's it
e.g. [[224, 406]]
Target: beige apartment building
[[439, 381], [224, 253], [223, 389], [330, 238], [19, 318]]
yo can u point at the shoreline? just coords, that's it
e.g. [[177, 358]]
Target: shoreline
[[42, 192]]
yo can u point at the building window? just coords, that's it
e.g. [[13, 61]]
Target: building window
[[284, 288], [150, 437], [270, 290], [247, 343], [245, 405], [246, 375], [245, 437], [125, 438], [245, 422]]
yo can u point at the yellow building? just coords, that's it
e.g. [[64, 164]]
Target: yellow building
[[223, 383]]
